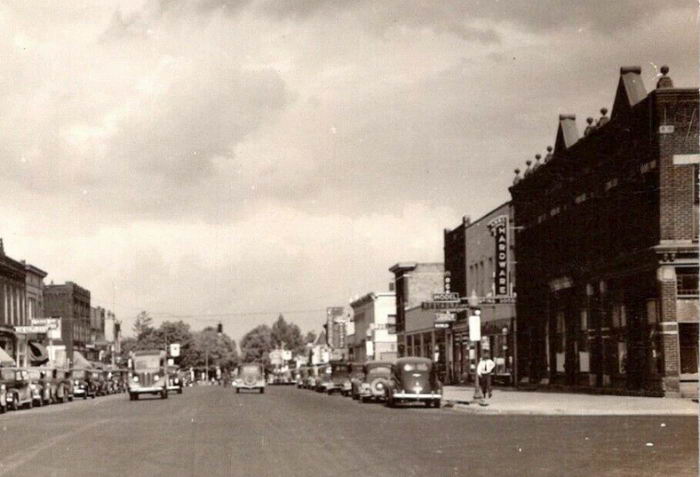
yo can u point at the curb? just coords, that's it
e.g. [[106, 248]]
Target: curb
[[491, 411]]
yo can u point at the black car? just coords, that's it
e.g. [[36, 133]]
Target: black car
[[414, 380]]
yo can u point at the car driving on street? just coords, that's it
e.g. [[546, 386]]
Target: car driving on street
[[251, 377]]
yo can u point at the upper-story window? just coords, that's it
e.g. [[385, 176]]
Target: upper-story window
[[581, 198], [647, 166], [554, 211]]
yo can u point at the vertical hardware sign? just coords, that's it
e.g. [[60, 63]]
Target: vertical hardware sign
[[499, 230]]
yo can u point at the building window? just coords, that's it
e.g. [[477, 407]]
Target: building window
[[619, 317], [687, 281], [584, 320], [554, 211], [647, 166], [391, 324]]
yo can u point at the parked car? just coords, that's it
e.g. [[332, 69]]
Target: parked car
[[64, 385], [357, 375], [323, 380], [175, 379], [41, 386], [15, 389], [250, 376], [414, 380], [377, 375], [83, 383], [302, 374], [340, 377], [312, 377]]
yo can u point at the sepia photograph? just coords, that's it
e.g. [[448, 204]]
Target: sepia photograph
[[368, 238]]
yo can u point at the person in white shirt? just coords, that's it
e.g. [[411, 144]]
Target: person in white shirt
[[484, 371]]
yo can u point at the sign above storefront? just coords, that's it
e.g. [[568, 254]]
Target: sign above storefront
[[446, 297]]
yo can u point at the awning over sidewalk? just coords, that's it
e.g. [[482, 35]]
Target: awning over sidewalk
[[79, 361], [38, 354], [6, 359]]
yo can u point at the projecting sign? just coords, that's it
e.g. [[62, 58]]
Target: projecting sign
[[499, 229], [446, 296], [444, 305], [474, 328], [174, 350], [31, 329]]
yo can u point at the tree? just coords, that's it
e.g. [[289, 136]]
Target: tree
[[216, 348], [143, 325], [256, 344], [310, 337], [287, 335]]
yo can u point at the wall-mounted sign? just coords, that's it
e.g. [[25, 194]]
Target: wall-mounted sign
[[499, 230], [445, 296]]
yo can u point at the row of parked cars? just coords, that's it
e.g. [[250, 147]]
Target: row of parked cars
[[406, 380], [29, 387]]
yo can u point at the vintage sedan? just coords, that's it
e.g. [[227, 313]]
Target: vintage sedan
[[302, 374], [250, 376], [414, 380], [175, 383], [377, 375], [41, 386], [15, 388], [333, 377], [83, 383], [64, 384], [357, 376]]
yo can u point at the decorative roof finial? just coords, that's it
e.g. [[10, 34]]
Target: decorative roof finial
[[528, 169], [537, 161], [516, 179], [590, 128], [665, 81], [548, 157], [603, 119]]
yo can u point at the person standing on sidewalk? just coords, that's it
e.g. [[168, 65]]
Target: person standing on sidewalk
[[484, 371]]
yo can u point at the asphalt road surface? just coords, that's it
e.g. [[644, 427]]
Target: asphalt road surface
[[211, 431]]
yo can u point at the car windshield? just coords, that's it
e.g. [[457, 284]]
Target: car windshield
[[146, 362], [340, 369], [408, 367], [379, 370], [250, 369], [79, 374], [7, 374]]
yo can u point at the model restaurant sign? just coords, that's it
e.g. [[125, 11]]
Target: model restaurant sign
[[499, 229]]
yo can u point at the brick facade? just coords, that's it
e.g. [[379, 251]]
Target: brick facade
[[608, 224]]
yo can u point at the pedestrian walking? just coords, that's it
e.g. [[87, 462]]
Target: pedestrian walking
[[484, 371]]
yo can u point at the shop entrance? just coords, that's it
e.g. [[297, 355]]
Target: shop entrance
[[688, 340]]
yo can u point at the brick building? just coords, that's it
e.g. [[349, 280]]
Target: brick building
[[607, 252], [70, 303], [416, 335], [13, 313], [472, 259], [34, 291]]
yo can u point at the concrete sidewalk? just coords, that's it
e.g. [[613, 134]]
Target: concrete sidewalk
[[507, 401]]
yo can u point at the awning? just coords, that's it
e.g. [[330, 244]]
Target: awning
[[6, 359], [79, 361], [38, 354]]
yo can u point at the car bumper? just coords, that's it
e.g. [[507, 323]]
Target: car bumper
[[248, 386], [144, 390], [174, 388], [416, 396]]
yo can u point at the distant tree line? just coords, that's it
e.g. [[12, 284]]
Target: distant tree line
[[258, 342], [195, 346]]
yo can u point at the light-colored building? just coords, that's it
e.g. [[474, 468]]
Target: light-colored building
[[35, 291], [374, 321]]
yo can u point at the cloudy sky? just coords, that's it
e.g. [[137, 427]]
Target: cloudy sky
[[212, 157]]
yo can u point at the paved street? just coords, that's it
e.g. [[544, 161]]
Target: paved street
[[210, 431]]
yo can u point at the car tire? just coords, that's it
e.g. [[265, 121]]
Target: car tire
[[164, 395], [179, 391], [15, 405], [238, 391], [30, 404], [262, 390]]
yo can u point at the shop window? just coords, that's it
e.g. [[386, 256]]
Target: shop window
[[584, 320], [612, 183], [687, 281], [561, 333], [581, 198]]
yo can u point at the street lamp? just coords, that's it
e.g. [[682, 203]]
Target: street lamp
[[475, 337]]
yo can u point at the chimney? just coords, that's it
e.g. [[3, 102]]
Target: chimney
[[2, 247], [665, 81], [391, 286]]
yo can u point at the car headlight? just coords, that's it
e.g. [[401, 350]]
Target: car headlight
[[157, 377], [76, 382], [177, 381], [136, 379], [32, 387], [2, 387]]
